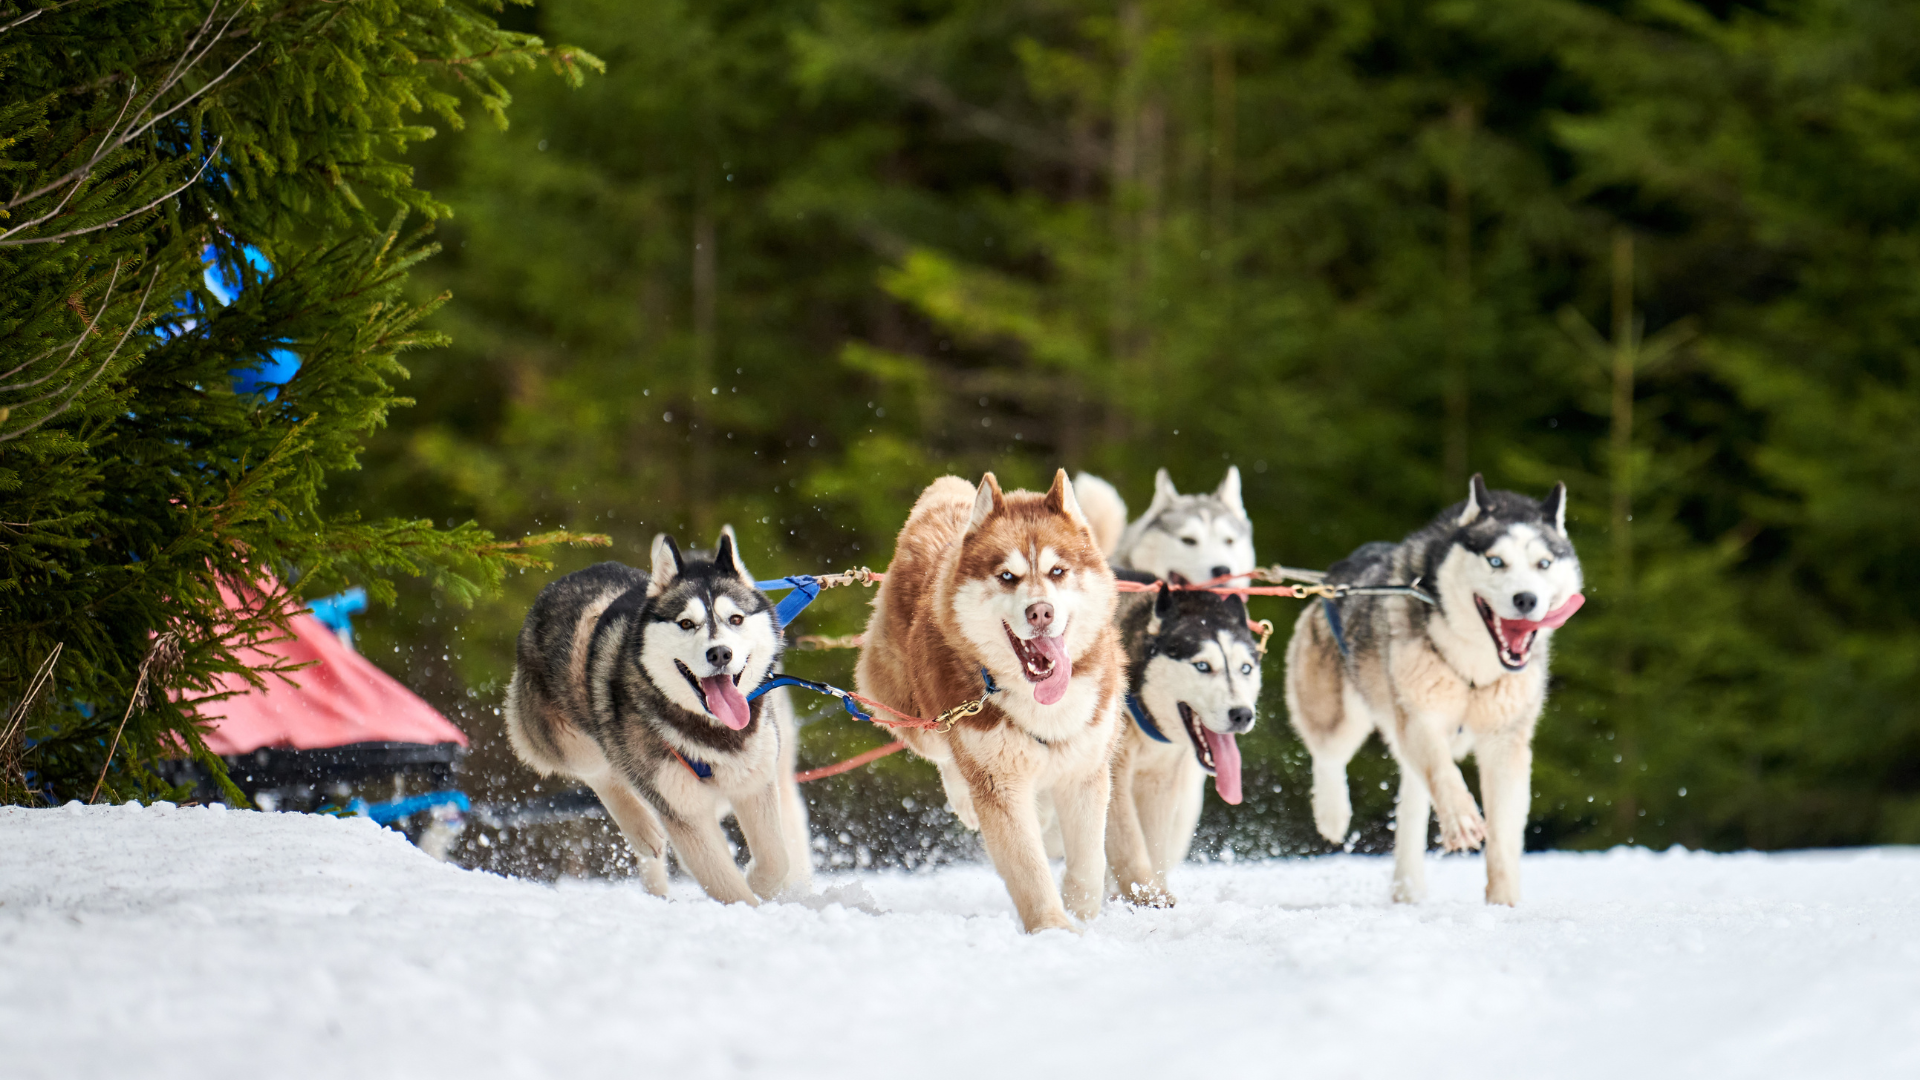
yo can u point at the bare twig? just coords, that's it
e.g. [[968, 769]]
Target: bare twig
[[105, 300], [71, 233], [36, 13], [18, 717], [198, 47], [97, 372], [165, 655]]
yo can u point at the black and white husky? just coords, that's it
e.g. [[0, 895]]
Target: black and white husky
[[1181, 538], [636, 684], [1467, 674], [1193, 674]]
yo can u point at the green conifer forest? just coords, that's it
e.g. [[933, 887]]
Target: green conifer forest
[[780, 264]]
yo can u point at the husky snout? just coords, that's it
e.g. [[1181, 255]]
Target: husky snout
[[1240, 719], [1040, 616], [720, 657], [1525, 602]]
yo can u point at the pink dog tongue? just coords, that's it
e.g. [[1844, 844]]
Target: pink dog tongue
[[1053, 687], [1516, 630], [1226, 764], [724, 701]]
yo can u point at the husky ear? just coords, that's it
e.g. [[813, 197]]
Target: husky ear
[[1229, 492], [667, 564], [1237, 607], [1162, 606], [987, 501], [1554, 507], [1477, 500], [1163, 492], [1061, 500], [726, 555]]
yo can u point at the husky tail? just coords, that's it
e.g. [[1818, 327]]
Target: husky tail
[[1106, 511]]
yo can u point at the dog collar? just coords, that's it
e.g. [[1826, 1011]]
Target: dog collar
[[987, 677], [1146, 723], [700, 769]]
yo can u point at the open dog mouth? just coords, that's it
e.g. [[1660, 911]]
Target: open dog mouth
[[720, 695], [1513, 638], [1044, 663], [1218, 754]]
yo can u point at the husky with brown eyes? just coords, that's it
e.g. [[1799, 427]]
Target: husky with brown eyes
[[1004, 599], [1466, 674], [637, 684]]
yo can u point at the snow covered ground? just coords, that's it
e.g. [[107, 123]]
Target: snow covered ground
[[200, 942]]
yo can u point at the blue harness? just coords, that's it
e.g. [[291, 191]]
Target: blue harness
[[805, 590], [1339, 632], [1146, 723]]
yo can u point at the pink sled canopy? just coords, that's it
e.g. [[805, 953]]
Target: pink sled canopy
[[341, 699]]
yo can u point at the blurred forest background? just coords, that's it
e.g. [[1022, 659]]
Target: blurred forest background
[[784, 263], [780, 264]]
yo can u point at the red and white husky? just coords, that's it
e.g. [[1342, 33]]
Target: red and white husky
[[1009, 590]]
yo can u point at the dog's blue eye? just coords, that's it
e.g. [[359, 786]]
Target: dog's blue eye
[[1544, 563], [1496, 561], [1203, 667], [1007, 576], [1058, 571], [1246, 669]]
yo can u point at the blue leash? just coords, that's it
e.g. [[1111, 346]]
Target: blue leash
[[1146, 723], [853, 710], [805, 589]]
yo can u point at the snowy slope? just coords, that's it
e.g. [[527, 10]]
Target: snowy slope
[[193, 942]]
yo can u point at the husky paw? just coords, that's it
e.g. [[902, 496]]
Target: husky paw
[[1332, 812], [1144, 894], [1083, 903], [1053, 920], [1505, 893], [1408, 890], [653, 875], [1464, 830]]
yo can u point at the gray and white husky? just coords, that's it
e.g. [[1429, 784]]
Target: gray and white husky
[[1468, 674], [1193, 674], [1185, 539], [635, 683]]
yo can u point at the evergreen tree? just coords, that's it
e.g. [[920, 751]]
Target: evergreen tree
[[203, 247]]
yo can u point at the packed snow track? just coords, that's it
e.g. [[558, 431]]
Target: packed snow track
[[162, 942]]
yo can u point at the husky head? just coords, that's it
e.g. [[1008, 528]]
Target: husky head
[[1202, 666], [1192, 538], [1033, 589], [708, 631], [1511, 565]]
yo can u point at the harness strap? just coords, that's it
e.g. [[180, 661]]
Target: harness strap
[[1146, 723], [805, 589], [1339, 632], [847, 698], [700, 769]]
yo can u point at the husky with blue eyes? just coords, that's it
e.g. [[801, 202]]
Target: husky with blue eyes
[[1467, 674], [636, 684], [1193, 673]]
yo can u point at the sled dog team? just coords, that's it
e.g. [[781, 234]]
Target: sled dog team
[[1102, 712]]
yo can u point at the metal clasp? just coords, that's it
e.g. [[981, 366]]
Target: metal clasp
[[1266, 631], [958, 713]]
